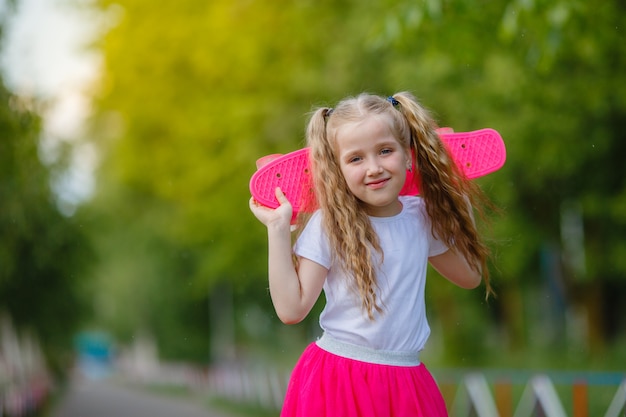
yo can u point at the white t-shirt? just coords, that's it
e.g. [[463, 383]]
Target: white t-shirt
[[407, 242]]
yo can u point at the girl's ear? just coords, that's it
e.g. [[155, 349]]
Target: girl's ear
[[409, 162], [409, 158]]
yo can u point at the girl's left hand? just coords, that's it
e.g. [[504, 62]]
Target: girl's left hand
[[280, 216]]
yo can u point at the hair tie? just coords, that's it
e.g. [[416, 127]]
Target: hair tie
[[328, 113], [393, 101]]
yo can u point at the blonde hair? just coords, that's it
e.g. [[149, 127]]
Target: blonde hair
[[447, 193]]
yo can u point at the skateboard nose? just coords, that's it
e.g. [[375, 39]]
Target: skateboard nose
[[261, 162]]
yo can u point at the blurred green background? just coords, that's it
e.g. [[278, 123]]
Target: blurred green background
[[190, 93]]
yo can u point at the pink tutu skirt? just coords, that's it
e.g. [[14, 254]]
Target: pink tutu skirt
[[325, 384]]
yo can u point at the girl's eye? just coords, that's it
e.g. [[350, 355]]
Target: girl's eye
[[386, 151], [354, 159]]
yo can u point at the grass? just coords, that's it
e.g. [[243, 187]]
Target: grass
[[239, 409]]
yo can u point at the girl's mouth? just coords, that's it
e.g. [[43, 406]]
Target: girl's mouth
[[377, 184]]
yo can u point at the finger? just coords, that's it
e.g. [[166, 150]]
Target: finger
[[253, 203], [280, 196]]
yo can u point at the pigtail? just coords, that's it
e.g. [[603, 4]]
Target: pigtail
[[348, 227], [448, 194], [315, 133]]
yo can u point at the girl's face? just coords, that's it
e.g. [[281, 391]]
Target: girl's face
[[374, 164]]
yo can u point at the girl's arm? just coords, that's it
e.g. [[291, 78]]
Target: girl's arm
[[293, 292], [454, 267]]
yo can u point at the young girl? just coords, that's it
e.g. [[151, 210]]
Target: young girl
[[368, 248]]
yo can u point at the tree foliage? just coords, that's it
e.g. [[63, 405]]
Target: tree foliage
[[43, 254], [193, 92]]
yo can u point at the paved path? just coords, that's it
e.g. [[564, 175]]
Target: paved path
[[106, 399]]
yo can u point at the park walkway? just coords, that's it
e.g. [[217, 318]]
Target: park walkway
[[87, 398]]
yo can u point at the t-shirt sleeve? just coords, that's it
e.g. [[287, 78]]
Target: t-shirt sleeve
[[435, 245], [313, 242]]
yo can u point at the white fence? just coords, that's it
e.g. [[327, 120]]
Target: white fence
[[468, 394], [25, 383]]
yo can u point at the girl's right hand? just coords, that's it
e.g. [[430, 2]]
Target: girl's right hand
[[280, 216]]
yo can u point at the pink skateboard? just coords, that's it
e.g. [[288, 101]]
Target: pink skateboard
[[476, 153]]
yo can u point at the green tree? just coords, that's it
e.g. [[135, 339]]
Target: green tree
[[183, 112], [555, 90], [193, 93], [43, 254]]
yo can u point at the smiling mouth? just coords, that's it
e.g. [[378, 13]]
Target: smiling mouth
[[377, 184]]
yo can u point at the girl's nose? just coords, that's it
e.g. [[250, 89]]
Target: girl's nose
[[374, 168]]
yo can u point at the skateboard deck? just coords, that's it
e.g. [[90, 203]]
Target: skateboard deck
[[476, 153]]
